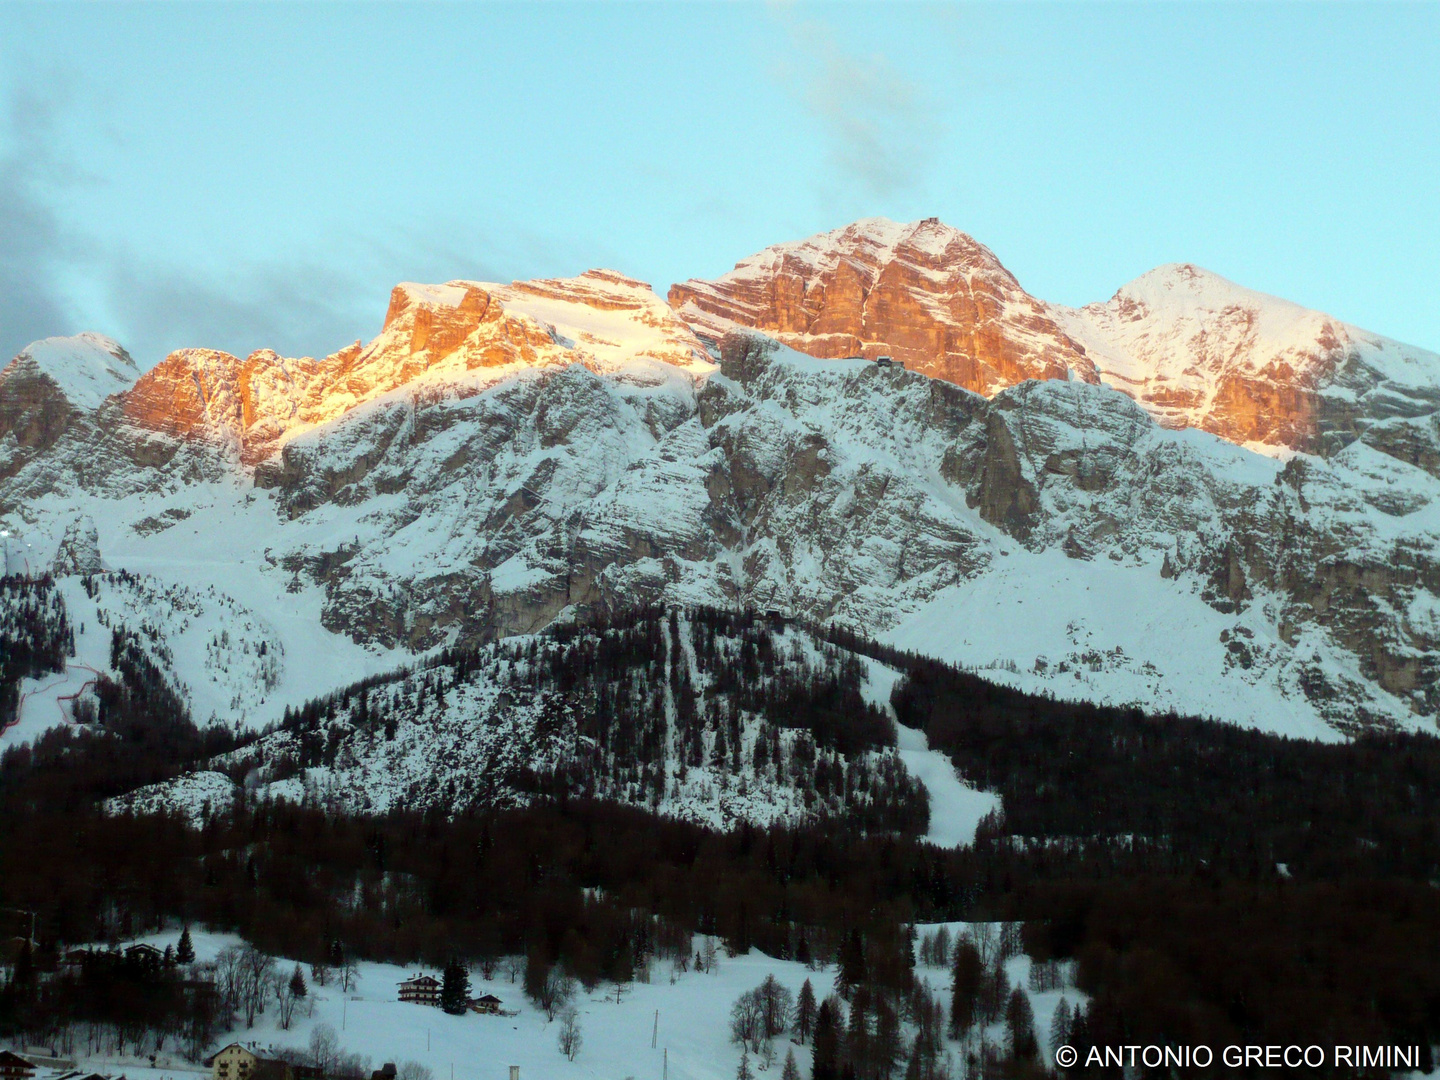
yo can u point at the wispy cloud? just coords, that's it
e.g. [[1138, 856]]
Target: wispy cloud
[[878, 124], [34, 250], [57, 279]]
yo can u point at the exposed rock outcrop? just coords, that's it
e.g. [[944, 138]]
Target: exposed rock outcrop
[[79, 550], [923, 293], [1199, 351]]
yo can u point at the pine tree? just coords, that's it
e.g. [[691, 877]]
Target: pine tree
[[852, 964], [858, 1044], [966, 975], [24, 970], [455, 988], [915, 1067], [805, 1012], [744, 1072], [827, 1044], [1060, 1025], [1020, 1025], [802, 949], [297, 982], [790, 1071], [185, 950]]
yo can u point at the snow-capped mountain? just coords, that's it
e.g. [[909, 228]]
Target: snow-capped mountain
[[502, 456], [1199, 351], [924, 293], [53, 384], [1194, 349]]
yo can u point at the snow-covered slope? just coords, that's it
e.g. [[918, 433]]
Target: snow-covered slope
[[87, 368], [648, 712], [502, 456], [684, 1013], [1199, 351]]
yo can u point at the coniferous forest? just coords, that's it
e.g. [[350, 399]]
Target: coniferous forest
[[1211, 885]]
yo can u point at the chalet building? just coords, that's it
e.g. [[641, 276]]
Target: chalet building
[[486, 1004], [421, 989], [143, 955], [235, 1062], [15, 1067]]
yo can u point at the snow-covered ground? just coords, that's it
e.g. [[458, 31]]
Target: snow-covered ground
[[693, 1033], [195, 565], [956, 808], [688, 1019], [1104, 632]]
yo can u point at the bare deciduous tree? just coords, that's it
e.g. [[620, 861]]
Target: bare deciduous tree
[[256, 975], [286, 1000], [570, 1037], [324, 1047]]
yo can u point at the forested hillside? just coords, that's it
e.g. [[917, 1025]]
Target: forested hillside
[[705, 715], [35, 636], [1210, 885]]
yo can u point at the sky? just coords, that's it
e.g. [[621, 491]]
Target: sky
[[260, 175]]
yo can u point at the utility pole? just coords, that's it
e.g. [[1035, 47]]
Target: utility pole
[[665, 1066], [655, 1031], [344, 1009]]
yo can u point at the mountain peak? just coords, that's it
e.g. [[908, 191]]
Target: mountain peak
[[1198, 350], [923, 292], [87, 367]]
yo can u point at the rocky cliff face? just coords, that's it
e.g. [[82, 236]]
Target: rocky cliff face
[[923, 293], [1199, 351], [502, 456], [431, 332], [52, 385], [1194, 349]]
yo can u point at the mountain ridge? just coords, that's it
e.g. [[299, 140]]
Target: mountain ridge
[[503, 456]]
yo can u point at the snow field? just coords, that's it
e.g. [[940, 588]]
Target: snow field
[[691, 1035], [693, 1040], [1097, 631]]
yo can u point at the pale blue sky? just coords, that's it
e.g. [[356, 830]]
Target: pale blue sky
[[260, 175]]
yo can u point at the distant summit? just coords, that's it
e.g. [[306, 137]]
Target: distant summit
[[924, 293], [1193, 348]]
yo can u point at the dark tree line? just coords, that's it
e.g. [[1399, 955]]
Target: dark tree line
[[631, 706], [35, 636], [1147, 850]]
